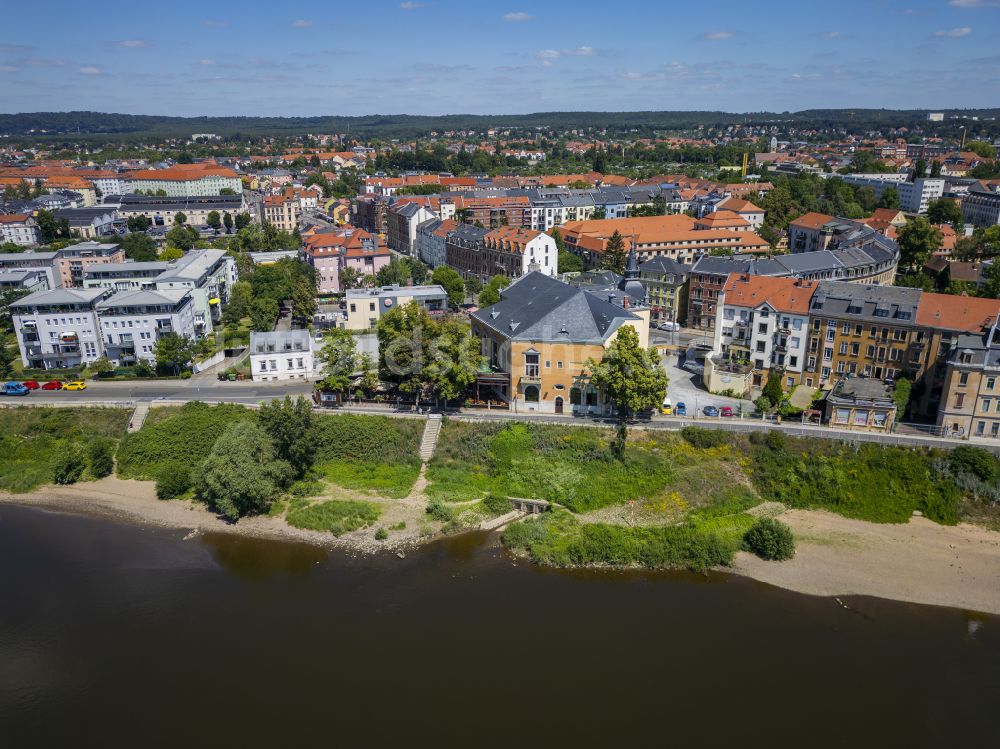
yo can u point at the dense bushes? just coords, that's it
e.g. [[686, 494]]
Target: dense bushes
[[979, 462], [336, 516], [770, 539], [559, 539], [183, 435], [69, 464], [32, 438], [173, 481], [704, 438], [496, 504], [101, 457]]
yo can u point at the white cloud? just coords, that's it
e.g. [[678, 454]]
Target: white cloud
[[832, 34], [206, 61], [411, 5], [580, 52], [302, 23], [975, 3], [8, 69], [715, 36], [517, 17], [133, 43], [90, 70], [954, 33], [548, 54]]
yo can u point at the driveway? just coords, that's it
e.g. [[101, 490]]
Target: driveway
[[685, 387]]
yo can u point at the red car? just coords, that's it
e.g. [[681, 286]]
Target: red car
[[726, 411], [52, 385], [31, 384]]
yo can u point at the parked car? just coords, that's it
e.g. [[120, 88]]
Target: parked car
[[727, 411], [680, 409], [666, 409], [52, 385], [75, 385], [15, 388], [31, 384], [710, 411], [670, 326]]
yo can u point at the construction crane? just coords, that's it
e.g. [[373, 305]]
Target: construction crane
[[745, 159]]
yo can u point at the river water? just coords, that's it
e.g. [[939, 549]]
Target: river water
[[114, 635]]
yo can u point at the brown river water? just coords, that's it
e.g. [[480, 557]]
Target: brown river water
[[115, 635]]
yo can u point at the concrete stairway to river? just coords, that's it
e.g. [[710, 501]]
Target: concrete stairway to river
[[429, 441], [138, 416]]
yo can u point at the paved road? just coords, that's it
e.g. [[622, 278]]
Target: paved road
[[243, 392]]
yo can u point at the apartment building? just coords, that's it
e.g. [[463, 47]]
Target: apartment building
[[282, 355], [402, 221], [330, 252], [186, 180], [58, 328], [131, 322], [27, 280], [161, 211], [364, 307], [19, 228], [980, 206], [432, 239], [665, 281], [914, 197], [71, 263], [281, 211]]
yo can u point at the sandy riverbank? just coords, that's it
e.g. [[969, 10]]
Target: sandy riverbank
[[920, 562], [135, 502]]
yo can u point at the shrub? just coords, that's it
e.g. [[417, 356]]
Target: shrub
[[775, 439], [381, 534], [440, 511], [101, 458], [770, 539], [68, 465], [975, 460], [186, 374], [497, 504], [704, 438], [173, 480]]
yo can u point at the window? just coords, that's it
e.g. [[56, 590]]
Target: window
[[827, 354], [959, 400], [531, 394], [870, 351], [860, 418], [846, 329], [855, 349], [371, 306], [963, 378], [548, 364], [793, 361], [857, 329], [843, 348], [825, 373], [531, 365], [760, 347], [985, 406], [991, 383], [354, 308], [762, 328], [830, 335], [980, 428], [842, 416], [559, 365]]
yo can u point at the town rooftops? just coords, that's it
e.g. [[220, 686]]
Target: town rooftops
[[393, 291], [13, 218], [280, 342], [60, 297], [959, 313], [184, 173], [88, 249], [144, 298], [781, 294], [862, 390], [664, 265], [536, 307], [812, 220], [881, 304]]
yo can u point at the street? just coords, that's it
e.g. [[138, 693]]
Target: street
[[205, 390]]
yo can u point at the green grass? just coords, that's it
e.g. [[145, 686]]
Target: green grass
[[336, 516], [182, 435], [32, 437], [370, 453]]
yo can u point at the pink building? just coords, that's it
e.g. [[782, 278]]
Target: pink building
[[330, 252]]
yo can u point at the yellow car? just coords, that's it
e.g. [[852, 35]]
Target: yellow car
[[666, 409], [75, 385]]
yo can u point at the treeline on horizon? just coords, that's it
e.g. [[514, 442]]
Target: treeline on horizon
[[133, 126]]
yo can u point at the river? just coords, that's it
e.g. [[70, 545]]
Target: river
[[115, 635]]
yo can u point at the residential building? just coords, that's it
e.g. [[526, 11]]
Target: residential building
[[28, 280], [18, 228], [282, 211], [364, 307], [980, 206], [665, 281], [282, 355], [90, 223], [861, 404], [179, 180], [805, 234], [71, 262], [161, 211], [331, 251], [402, 221], [31, 260], [862, 330], [914, 197], [464, 249], [432, 238], [970, 398], [513, 251], [762, 323], [537, 339], [131, 322], [58, 328]]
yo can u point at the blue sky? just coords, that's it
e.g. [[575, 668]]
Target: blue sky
[[483, 57]]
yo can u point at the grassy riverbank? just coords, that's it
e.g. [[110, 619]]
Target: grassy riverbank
[[32, 438]]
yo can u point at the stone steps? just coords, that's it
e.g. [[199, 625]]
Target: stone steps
[[429, 441]]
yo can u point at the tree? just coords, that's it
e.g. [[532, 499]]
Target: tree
[[138, 223], [171, 253], [227, 221], [991, 282], [455, 359], [173, 352], [919, 169], [772, 389], [214, 220], [630, 377], [69, 464], [615, 255], [101, 366], [243, 220], [304, 299], [473, 285], [770, 539], [242, 474], [945, 211], [917, 240], [263, 313], [238, 307], [491, 292], [452, 283], [101, 458], [339, 358], [350, 278], [981, 148], [180, 218], [51, 228], [600, 212], [7, 357], [935, 168], [138, 246], [182, 237], [404, 337], [901, 395], [569, 262], [369, 373], [889, 198], [290, 426]]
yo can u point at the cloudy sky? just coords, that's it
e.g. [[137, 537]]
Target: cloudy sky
[[484, 57]]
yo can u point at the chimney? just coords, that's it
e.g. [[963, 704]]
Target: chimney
[[625, 301]]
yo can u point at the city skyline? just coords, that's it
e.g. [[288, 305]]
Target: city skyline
[[446, 57]]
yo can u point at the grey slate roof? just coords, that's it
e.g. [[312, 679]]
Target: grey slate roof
[[280, 341], [894, 304], [537, 307], [60, 296], [143, 298], [663, 265]]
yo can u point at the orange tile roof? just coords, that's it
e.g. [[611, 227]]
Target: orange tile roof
[[738, 205], [960, 313], [783, 294], [184, 172], [13, 218], [811, 220]]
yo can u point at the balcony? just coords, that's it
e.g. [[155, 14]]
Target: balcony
[[30, 336], [531, 379]]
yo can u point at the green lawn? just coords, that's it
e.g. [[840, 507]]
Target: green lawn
[[336, 515], [31, 438]]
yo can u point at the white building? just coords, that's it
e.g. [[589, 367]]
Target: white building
[[18, 228], [282, 355], [26, 279], [914, 196], [58, 328], [980, 206], [131, 322], [935, 116]]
